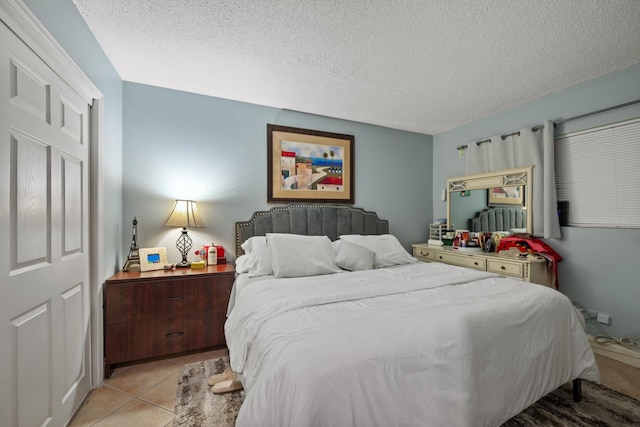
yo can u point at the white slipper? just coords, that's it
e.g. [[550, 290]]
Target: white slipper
[[225, 375], [227, 386]]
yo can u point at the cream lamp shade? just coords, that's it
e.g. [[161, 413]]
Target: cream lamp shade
[[184, 214]]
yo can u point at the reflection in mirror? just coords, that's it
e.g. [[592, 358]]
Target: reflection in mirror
[[472, 197], [463, 205]]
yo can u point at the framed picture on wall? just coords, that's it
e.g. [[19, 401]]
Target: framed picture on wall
[[506, 196], [309, 165]]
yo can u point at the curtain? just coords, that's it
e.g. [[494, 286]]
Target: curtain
[[524, 148]]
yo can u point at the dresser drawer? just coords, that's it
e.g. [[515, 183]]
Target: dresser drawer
[[505, 267], [423, 253], [462, 260], [127, 302], [168, 335]]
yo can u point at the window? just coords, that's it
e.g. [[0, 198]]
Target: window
[[598, 174]]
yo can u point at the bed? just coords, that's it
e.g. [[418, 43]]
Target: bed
[[351, 330]]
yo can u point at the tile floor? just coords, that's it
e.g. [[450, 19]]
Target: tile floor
[[143, 395]]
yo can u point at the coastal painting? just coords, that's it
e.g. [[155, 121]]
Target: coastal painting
[[309, 165]]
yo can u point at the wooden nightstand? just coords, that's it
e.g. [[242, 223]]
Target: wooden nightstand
[[156, 313]]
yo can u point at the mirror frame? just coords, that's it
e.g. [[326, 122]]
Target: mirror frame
[[502, 178]]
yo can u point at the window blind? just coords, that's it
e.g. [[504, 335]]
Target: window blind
[[598, 173]]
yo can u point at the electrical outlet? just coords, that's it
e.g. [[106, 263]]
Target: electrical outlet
[[604, 319]]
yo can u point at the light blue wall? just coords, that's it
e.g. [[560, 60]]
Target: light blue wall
[[64, 22], [600, 266], [188, 146]]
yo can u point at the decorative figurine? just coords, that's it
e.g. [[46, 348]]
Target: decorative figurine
[[133, 260]]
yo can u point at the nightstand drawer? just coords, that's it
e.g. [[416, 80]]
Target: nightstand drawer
[[423, 253], [139, 301], [158, 337], [505, 267], [462, 260]]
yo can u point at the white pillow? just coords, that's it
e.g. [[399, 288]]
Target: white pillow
[[294, 255], [242, 264], [247, 245], [354, 257], [259, 256], [386, 247]]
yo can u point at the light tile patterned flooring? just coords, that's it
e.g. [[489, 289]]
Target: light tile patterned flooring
[[144, 395]]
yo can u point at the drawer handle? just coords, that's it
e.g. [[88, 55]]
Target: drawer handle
[[178, 297], [424, 253], [503, 267], [174, 334], [440, 257], [475, 262]]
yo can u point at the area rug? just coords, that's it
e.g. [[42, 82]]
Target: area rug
[[196, 405]]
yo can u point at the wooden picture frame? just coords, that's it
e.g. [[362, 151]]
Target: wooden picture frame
[[152, 258], [512, 195], [309, 165]]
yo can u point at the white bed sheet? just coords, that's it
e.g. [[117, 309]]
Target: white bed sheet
[[421, 344], [240, 283]]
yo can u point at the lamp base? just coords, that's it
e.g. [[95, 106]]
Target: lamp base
[[183, 264]]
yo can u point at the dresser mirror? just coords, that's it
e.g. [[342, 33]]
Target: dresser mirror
[[492, 201]]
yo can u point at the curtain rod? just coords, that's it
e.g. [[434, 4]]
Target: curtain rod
[[503, 137], [568, 119], [626, 104]]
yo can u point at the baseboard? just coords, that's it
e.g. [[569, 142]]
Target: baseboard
[[616, 352]]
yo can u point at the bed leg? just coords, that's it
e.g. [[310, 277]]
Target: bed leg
[[577, 390]]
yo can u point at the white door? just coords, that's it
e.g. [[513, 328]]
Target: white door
[[44, 230]]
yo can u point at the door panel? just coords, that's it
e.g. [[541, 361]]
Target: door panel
[[29, 201], [28, 91], [44, 266], [72, 205], [32, 354], [73, 312]]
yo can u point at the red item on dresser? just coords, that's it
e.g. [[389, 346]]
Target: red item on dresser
[[535, 246], [219, 251]]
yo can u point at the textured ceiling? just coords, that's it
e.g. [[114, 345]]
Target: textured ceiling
[[418, 65]]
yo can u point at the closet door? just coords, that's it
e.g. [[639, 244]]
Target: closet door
[[44, 256]]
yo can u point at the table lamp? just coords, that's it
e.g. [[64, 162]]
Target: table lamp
[[184, 214]]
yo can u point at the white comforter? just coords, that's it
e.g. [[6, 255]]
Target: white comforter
[[416, 345]]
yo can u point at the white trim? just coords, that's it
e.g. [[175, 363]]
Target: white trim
[[616, 352], [96, 233]]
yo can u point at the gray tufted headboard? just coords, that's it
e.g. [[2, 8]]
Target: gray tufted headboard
[[310, 220], [498, 219]]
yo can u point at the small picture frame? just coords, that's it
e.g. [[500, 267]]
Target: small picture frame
[[513, 195], [152, 258]]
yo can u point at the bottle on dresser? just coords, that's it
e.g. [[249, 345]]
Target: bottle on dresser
[[212, 256]]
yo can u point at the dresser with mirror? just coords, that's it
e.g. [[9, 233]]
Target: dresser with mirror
[[498, 201]]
